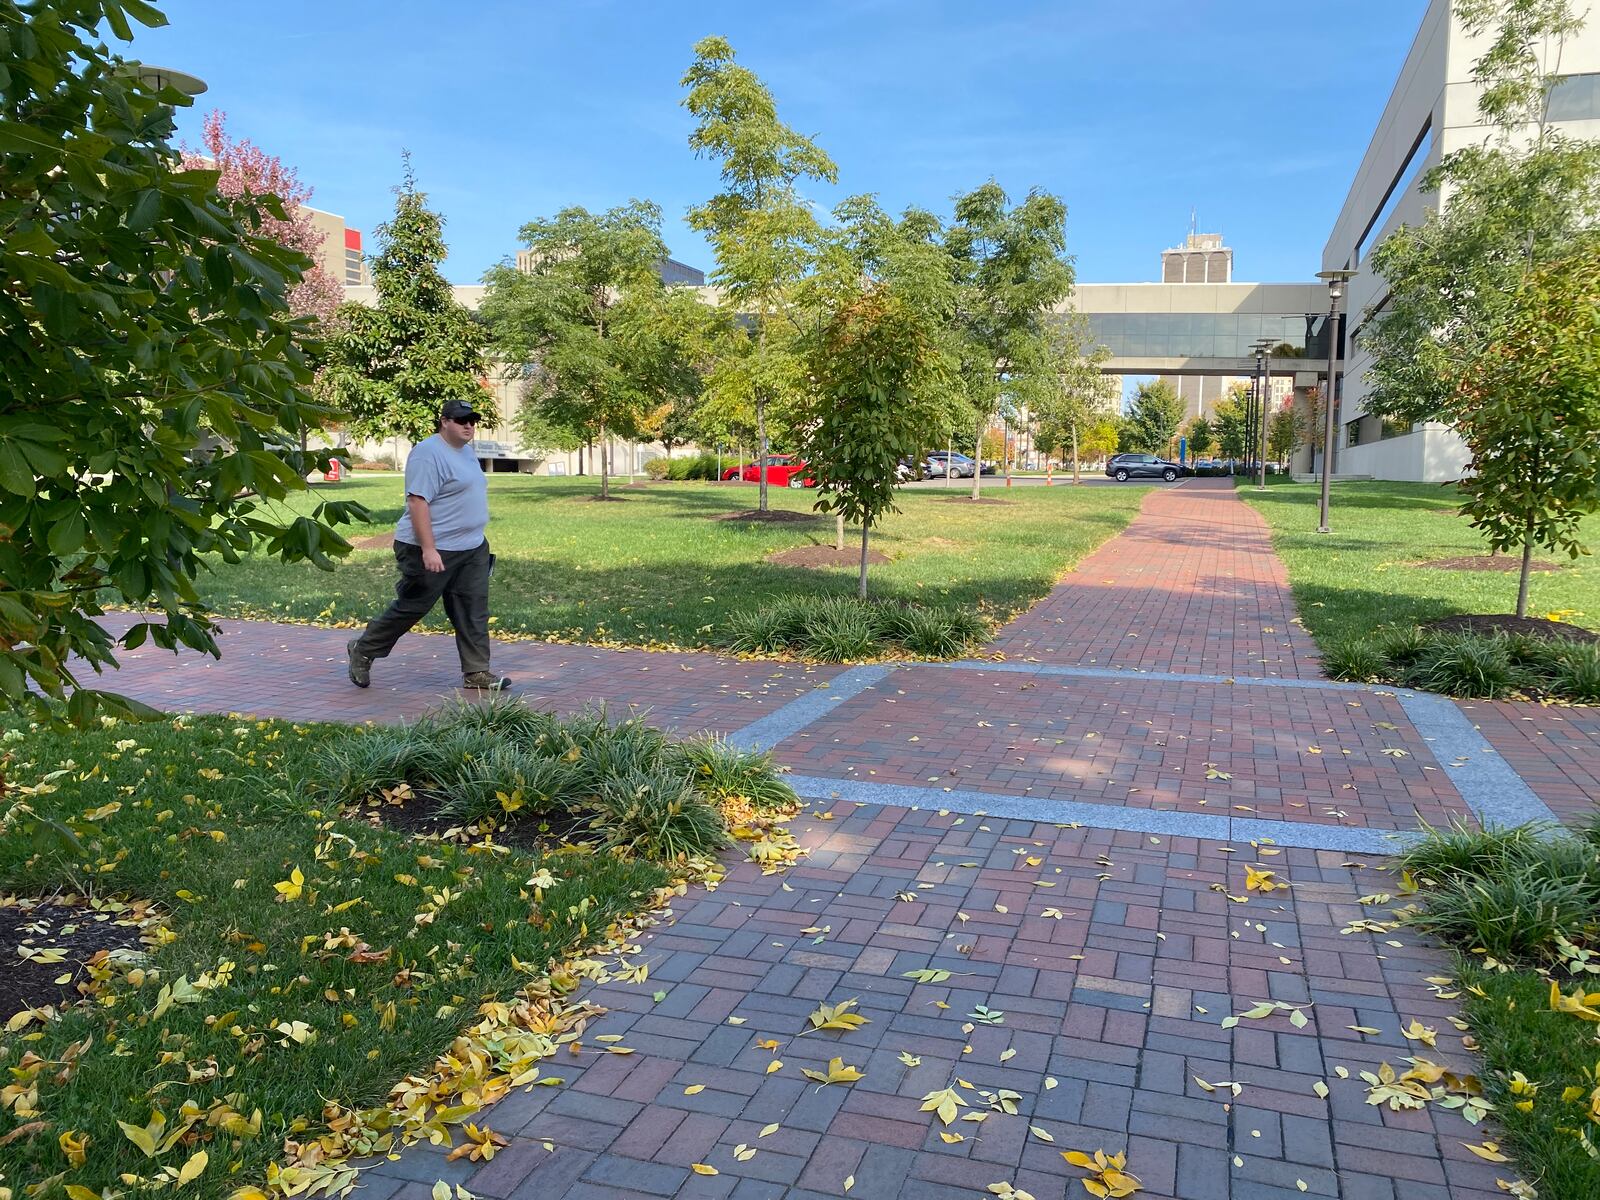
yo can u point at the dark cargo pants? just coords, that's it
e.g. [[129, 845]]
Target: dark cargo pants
[[464, 587]]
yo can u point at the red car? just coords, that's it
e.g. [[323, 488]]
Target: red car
[[782, 470]]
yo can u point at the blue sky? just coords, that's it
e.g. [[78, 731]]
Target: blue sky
[[1254, 114]]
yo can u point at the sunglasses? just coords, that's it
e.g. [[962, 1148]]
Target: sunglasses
[[465, 420]]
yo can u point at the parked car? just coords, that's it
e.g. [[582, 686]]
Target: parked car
[[729, 474], [782, 470], [990, 468], [1142, 466], [941, 464]]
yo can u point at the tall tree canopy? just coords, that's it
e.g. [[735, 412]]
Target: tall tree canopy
[[610, 346], [1153, 418], [1076, 393], [245, 169], [153, 383], [1013, 268], [392, 365], [1519, 212], [761, 228]]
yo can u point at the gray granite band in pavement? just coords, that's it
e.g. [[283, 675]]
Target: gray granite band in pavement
[[1105, 816], [797, 714], [1488, 783], [1027, 668]]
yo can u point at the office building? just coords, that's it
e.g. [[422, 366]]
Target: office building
[[341, 249], [1432, 111]]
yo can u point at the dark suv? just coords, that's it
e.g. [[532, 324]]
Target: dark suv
[[1142, 466]]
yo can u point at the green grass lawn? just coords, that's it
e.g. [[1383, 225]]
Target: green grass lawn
[[307, 960], [657, 568], [1368, 573]]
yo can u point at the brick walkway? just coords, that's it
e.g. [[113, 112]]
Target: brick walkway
[[1068, 837], [1192, 585], [1557, 750]]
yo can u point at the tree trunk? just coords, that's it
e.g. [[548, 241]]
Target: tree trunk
[[1076, 479], [1005, 452], [861, 588], [838, 531], [1527, 568], [761, 455], [977, 458], [605, 464]]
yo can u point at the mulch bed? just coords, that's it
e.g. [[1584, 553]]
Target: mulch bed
[[824, 556], [420, 817], [1488, 562], [378, 541], [1490, 623], [970, 500], [43, 926], [773, 516]]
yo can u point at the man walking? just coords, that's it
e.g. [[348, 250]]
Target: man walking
[[440, 548]]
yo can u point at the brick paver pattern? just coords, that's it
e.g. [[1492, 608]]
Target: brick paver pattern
[[1113, 956], [1192, 586]]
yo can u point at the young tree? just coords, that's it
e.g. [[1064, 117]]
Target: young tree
[[882, 358], [1077, 393], [1459, 282], [873, 364], [1229, 422], [1013, 268], [1153, 418], [588, 314], [154, 385], [1199, 434], [1099, 440], [243, 170], [1283, 435], [761, 229], [1531, 415], [392, 365]]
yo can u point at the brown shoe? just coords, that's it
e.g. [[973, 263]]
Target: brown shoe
[[360, 668], [485, 681]]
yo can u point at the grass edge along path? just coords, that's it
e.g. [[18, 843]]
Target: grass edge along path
[[219, 1064], [1367, 574], [663, 569], [1521, 909]]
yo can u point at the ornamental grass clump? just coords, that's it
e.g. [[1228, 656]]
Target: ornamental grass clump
[[845, 629], [1519, 895], [479, 768], [1471, 665]]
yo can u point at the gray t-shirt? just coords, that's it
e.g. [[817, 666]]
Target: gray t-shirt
[[452, 483]]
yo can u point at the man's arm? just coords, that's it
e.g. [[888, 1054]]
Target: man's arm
[[422, 525]]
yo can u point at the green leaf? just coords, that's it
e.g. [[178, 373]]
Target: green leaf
[[15, 474]]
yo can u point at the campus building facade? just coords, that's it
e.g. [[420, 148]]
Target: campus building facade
[[1432, 112]]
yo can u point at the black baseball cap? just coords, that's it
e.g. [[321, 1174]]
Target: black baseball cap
[[458, 410]]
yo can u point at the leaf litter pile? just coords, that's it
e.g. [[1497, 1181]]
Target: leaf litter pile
[[262, 970]]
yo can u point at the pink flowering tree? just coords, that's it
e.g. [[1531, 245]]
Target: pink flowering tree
[[247, 169]]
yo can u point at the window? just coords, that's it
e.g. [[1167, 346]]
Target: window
[[1403, 180], [1352, 433], [1576, 98]]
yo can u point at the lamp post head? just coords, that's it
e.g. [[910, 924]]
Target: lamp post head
[[163, 77], [1335, 281]]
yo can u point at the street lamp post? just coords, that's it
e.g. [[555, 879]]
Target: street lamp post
[[1335, 281], [1266, 409], [1258, 429]]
